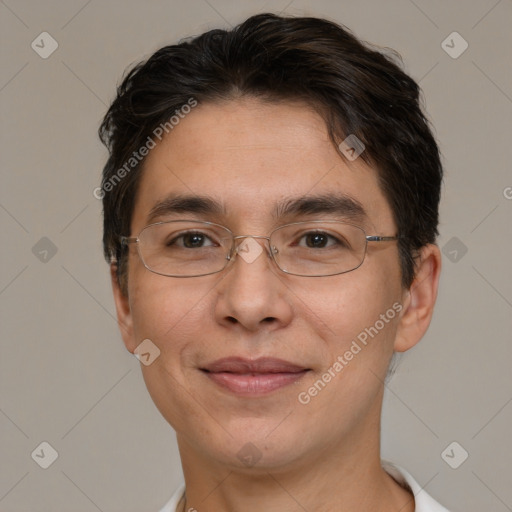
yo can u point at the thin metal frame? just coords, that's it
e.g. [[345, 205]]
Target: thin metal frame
[[125, 240]]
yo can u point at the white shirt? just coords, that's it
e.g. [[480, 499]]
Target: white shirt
[[424, 503]]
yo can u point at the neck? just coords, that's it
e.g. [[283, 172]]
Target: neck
[[346, 477]]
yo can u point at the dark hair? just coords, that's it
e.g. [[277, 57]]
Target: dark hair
[[356, 89]]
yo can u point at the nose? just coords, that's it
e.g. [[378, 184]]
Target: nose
[[252, 295]]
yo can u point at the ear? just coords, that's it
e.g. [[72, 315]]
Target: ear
[[419, 300], [124, 314]]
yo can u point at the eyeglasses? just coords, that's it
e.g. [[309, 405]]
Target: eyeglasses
[[186, 248]]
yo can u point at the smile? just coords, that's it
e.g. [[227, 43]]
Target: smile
[[253, 378]]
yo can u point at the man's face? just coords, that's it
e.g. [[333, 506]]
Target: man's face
[[249, 156]]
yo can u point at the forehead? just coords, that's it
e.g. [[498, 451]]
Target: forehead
[[252, 157]]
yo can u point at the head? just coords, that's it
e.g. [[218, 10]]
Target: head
[[252, 119]]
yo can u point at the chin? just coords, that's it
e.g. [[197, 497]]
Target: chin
[[257, 446]]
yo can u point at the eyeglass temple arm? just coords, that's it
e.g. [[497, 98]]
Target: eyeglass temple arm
[[128, 240], [376, 238]]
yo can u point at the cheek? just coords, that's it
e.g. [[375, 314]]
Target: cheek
[[169, 311], [177, 315], [340, 307], [356, 317], [358, 332], [173, 314]]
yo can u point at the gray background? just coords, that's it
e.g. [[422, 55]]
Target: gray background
[[65, 376]]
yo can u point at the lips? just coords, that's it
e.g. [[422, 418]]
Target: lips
[[253, 377], [243, 366]]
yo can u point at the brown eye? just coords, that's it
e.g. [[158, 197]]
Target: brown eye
[[316, 240], [321, 240], [191, 240]]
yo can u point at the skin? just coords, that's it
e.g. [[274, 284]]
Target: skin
[[321, 456]]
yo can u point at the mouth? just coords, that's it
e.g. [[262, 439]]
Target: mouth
[[253, 377]]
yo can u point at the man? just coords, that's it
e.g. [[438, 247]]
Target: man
[[270, 215]]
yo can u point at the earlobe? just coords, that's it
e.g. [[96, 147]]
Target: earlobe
[[124, 316], [418, 302]]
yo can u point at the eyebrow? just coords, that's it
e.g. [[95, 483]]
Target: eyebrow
[[338, 204], [194, 204]]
